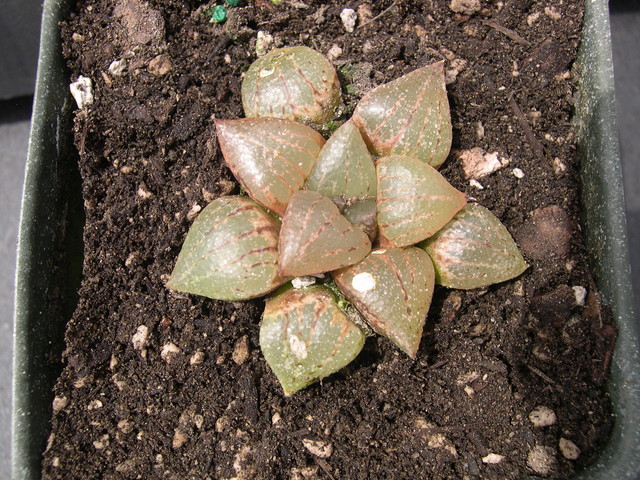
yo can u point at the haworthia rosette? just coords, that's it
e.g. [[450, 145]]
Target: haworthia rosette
[[296, 83], [408, 116], [392, 288], [316, 238], [344, 167], [414, 200], [230, 253], [474, 250], [305, 337], [270, 157]]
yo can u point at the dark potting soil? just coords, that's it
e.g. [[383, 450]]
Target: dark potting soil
[[508, 380]]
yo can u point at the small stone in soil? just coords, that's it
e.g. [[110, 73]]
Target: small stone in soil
[[169, 352], [541, 459], [160, 65], [60, 403], [264, 42], [546, 234], [569, 450], [580, 295], [197, 358], [349, 18], [554, 307], [319, 448], [139, 339], [82, 91], [240, 351], [492, 458], [542, 416], [467, 7], [476, 163]]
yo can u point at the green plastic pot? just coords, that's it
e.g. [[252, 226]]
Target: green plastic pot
[[50, 246]]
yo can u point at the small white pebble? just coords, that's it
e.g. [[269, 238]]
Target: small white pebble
[[318, 447], [517, 173], [139, 339], [227, 59], [569, 450], [264, 41], [94, 404], [363, 282], [117, 67], [531, 19], [349, 18], [193, 213], [82, 91], [275, 418], [334, 52], [60, 403], [541, 459], [580, 294], [542, 416], [143, 193], [492, 458], [169, 352], [302, 282], [558, 166], [552, 13], [197, 358], [476, 184]]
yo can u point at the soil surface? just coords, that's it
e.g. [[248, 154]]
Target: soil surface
[[508, 380]]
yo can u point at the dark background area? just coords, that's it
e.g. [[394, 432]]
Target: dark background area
[[19, 37]]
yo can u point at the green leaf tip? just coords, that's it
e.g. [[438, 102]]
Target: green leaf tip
[[392, 288], [296, 83], [414, 200], [474, 250], [270, 157], [316, 238], [408, 116], [230, 253], [305, 337]]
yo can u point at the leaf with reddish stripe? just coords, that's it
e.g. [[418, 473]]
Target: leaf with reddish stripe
[[316, 238], [296, 83], [270, 157], [305, 337], [230, 253], [408, 116], [344, 167], [392, 288], [474, 250], [414, 201]]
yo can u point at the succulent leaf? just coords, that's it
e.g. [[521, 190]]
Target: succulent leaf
[[230, 253], [270, 157], [392, 288], [362, 214], [344, 167], [474, 250], [316, 238], [414, 200], [296, 83], [408, 116], [305, 337]]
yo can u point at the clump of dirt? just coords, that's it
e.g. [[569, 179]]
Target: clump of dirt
[[507, 381]]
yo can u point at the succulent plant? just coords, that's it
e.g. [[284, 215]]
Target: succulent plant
[[316, 209], [296, 83]]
